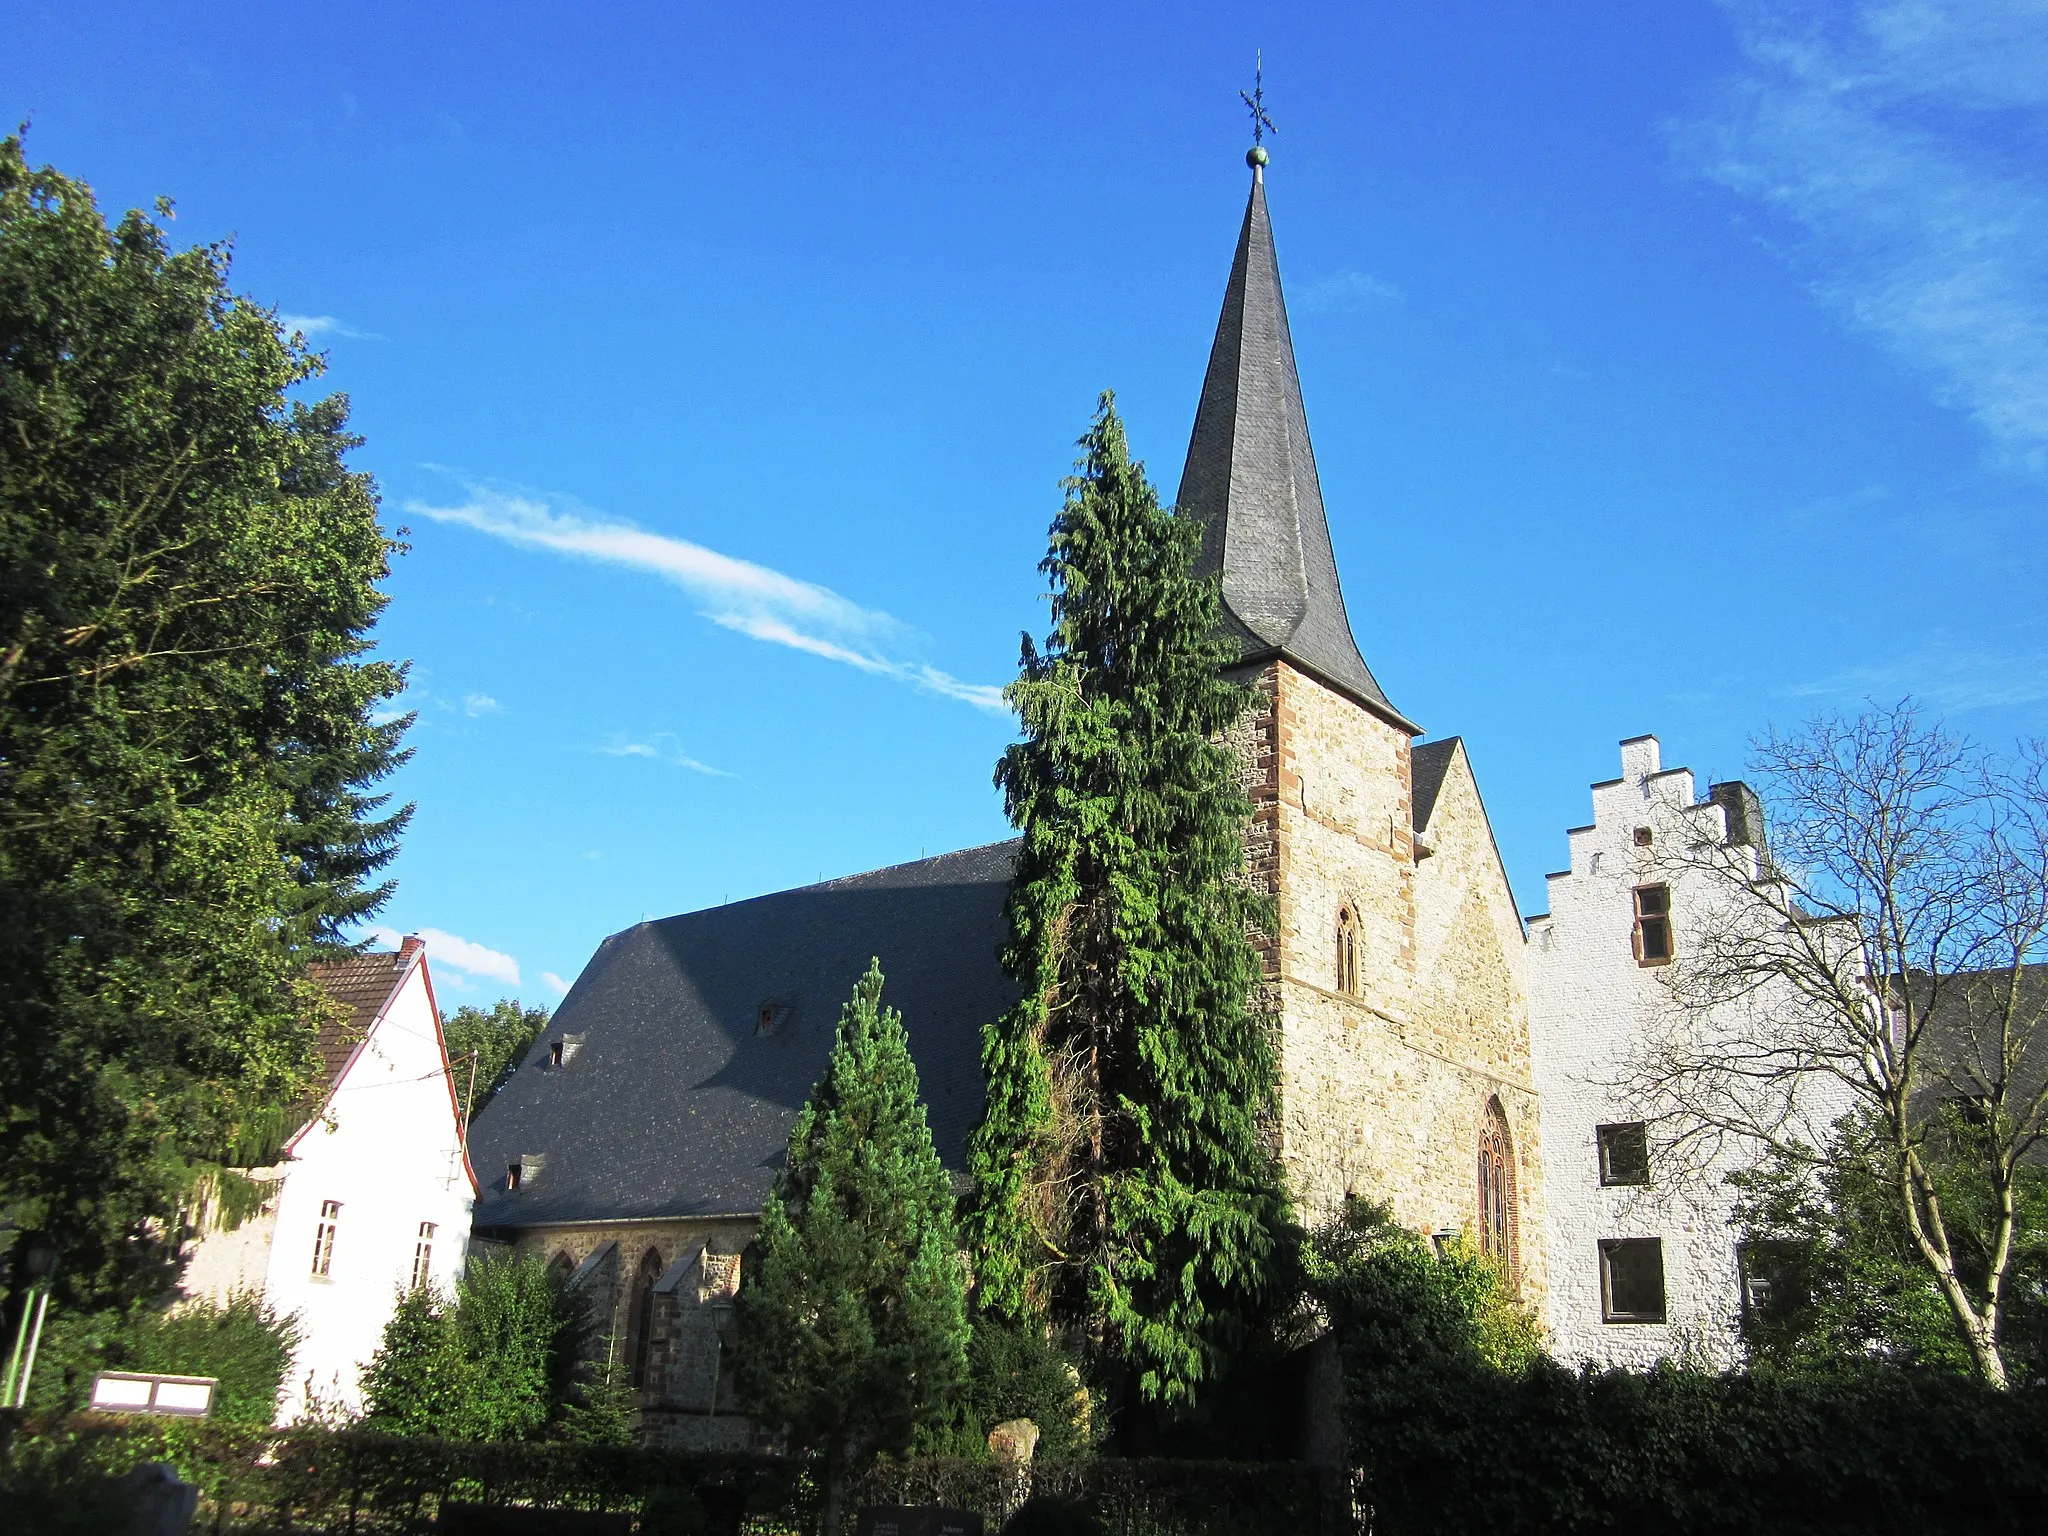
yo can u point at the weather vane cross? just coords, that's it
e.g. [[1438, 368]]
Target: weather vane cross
[[1255, 100]]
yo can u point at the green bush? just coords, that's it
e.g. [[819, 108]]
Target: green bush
[[1457, 1425], [1016, 1370], [241, 1342], [499, 1362]]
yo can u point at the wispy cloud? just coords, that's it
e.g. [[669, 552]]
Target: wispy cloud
[[736, 594], [1898, 140], [1347, 293], [662, 747], [555, 983], [313, 327], [476, 705], [1952, 676], [458, 954]]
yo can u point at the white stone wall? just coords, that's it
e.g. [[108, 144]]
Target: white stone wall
[[388, 1148], [1591, 1008]]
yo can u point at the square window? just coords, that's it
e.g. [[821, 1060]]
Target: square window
[[1632, 1280], [1624, 1153], [1653, 924], [1644, 837]]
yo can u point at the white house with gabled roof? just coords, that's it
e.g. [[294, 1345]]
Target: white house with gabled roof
[[373, 1192]]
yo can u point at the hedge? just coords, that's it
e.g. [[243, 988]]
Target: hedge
[[316, 1480]]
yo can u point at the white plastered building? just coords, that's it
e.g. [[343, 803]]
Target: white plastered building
[[1644, 1261], [373, 1193]]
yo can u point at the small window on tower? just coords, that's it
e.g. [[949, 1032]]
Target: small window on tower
[[323, 1238], [1624, 1153], [1632, 1280], [1644, 837], [423, 1256], [1653, 924], [1347, 951]]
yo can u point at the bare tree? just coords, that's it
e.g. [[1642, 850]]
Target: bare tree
[[1878, 959]]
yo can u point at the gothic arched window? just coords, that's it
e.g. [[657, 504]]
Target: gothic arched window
[[640, 1325], [1347, 950], [561, 1266], [1496, 1188]]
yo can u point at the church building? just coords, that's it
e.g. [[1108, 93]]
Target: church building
[[637, 1141]]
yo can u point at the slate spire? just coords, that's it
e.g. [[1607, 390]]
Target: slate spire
[[1251, 481]]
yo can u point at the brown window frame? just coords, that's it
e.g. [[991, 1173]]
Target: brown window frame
[[1610, 1247], [1605, 1138], [1660, 918], [423, 1256], [323, 1239]]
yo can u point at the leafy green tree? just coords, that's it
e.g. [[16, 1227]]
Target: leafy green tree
[[418, 1381], [603, 1409], [496, 1038], [190, 726], [499, 1362], [1836, 1275], [852, 1325], [1124, 1183]]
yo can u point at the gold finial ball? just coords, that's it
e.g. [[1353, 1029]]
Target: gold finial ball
[[1255, 156]]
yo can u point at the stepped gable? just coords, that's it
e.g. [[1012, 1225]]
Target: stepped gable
[[678, 1102], [1251, 480]]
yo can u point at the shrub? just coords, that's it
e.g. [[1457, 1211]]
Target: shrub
[[241, 1342]]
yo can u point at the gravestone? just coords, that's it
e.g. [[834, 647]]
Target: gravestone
[[919, 1520]]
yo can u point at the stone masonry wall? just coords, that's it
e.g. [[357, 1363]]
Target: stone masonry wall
[[1383, 1092], [690, 1336]]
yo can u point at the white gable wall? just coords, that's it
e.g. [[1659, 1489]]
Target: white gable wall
[[388, 1150], [1590, 1006]]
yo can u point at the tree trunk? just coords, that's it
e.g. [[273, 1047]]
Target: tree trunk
[[835, 1486]]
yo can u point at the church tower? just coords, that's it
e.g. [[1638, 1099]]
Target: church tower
[[1396, 967]]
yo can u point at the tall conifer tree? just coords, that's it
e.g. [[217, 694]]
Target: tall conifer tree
[[853, 1325], [1124, 1185]]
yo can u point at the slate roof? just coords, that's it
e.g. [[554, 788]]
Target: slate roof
[[1251, 480], [1430, 761], [676, 1104]]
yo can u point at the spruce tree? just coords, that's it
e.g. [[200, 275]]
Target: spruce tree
[[852, 1322], [1125, 1189]]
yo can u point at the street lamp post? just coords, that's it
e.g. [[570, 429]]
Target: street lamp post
[[38, 1261]]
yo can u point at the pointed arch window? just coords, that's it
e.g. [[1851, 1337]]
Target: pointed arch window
[[640, 1325], [1347, 950], [1497, 1188]]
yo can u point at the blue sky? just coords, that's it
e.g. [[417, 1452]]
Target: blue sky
[[1676, 367]]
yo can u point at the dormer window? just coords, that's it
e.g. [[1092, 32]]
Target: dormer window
[[1347, 951], [522, 1173], [564, 1049], [768, 1019]]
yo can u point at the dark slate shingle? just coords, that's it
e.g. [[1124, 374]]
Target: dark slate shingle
[[1251, 479], [677, 1106]]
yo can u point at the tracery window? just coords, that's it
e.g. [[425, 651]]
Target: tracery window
[[640, 1327], [1347, 951], [323, 1237], [1496, 1188]]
